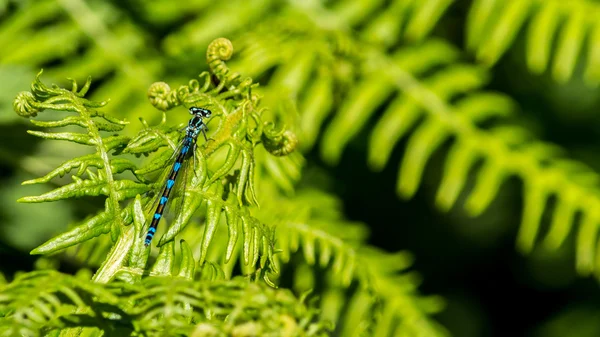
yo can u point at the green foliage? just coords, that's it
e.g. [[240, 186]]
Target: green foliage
[[28, 309], [425, 93], [158, 306], [493, 26], [329, 72], [240, 128], [310, 222], [222, 190], [83, 39]]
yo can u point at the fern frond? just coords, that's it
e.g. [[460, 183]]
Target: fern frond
[[333, 70], [384, 288], [385, 298], [87, 182], [175, 305], [492, 27], [424, 92], [43, 301], [38, 303], [385, 305], [221, 185], [505, 151]]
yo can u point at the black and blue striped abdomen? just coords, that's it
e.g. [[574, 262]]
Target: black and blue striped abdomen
[[181, 157]]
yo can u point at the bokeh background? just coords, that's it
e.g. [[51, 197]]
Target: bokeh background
[[491, 289]]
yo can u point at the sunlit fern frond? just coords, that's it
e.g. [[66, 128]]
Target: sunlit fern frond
[[314, 69], [425, 94], [447, 104], [38, 302], [493, 26], [179, 307], [221, 188], [96, 172]]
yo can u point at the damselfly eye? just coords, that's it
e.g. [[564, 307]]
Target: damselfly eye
[[205, 113]]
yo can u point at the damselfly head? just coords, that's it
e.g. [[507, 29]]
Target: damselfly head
[[200, 112]]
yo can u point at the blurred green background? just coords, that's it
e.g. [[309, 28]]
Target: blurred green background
[[491, 289]]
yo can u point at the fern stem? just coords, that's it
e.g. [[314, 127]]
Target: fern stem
[[116, 257]]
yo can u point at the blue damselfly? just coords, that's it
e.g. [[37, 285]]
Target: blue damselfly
[[193, 129]]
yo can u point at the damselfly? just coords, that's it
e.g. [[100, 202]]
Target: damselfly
[[193, 129]]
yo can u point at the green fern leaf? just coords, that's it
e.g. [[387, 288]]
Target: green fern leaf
[[493, 26], [47, 300]]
